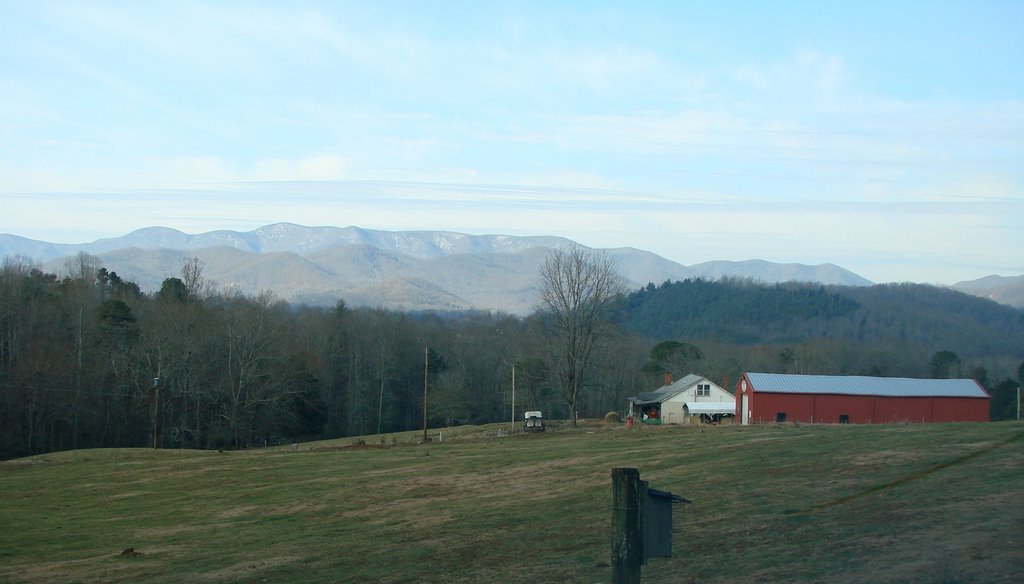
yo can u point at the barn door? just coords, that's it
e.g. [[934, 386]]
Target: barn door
[[744, 411]]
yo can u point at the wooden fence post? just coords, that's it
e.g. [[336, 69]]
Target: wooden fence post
[[627, 538]]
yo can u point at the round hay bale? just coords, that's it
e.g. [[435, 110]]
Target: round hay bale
[[612, 418]]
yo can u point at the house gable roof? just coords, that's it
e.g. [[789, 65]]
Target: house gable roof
[[677, 387], [667, 392], [858, 385], [646, 397]]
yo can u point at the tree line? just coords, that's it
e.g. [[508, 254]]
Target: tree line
[[87, 359]]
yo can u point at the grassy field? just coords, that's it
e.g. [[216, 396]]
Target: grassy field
[[894, 503]]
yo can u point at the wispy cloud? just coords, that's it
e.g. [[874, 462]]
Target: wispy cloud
[[692, 131]]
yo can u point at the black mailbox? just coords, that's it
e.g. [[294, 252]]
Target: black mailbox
[[641, 524], [657, 521]]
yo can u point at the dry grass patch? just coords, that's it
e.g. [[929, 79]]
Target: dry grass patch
[[247, 570], [240, 511], [152, 533]]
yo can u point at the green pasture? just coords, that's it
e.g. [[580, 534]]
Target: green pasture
[[888, 503]]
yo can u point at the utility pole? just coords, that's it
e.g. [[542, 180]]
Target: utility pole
[[513, 431], [78, 375], [1018, 403], [380, 401], [426, 368], [156, 406]]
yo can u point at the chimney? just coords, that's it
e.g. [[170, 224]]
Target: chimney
[[668, 378]]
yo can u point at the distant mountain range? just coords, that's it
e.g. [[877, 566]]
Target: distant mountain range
[[1002, 289], [407, 270]]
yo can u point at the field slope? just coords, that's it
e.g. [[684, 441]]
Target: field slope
[[899, 503]]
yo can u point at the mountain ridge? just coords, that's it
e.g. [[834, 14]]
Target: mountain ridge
[[286, 237], [1007, 290], [416, 270]]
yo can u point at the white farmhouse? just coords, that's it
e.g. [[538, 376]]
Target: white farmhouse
[[690, 399]]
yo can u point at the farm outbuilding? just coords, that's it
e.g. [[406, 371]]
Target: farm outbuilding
[[827, 399], [690, 398]]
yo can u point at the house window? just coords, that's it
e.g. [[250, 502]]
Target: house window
[[703, 389], [780, 417]]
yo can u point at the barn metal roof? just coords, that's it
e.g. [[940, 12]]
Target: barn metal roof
[[857, 385]]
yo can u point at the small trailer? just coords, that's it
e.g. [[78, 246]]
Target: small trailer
[[533, 422]]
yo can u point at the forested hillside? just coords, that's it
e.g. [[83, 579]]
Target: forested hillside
[[737, 311], [892, 330], [742, 311], [87, 359]]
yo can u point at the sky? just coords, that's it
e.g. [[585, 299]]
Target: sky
[[884, 137]]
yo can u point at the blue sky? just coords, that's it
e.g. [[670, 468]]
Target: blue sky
[[885, 137]]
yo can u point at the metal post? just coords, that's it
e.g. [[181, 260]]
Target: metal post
[[627, 538]]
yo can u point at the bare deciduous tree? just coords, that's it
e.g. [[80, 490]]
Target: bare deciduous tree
[[198, 287], [577, 289]]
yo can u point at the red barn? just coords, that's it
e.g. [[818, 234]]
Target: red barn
[[827, 399]]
